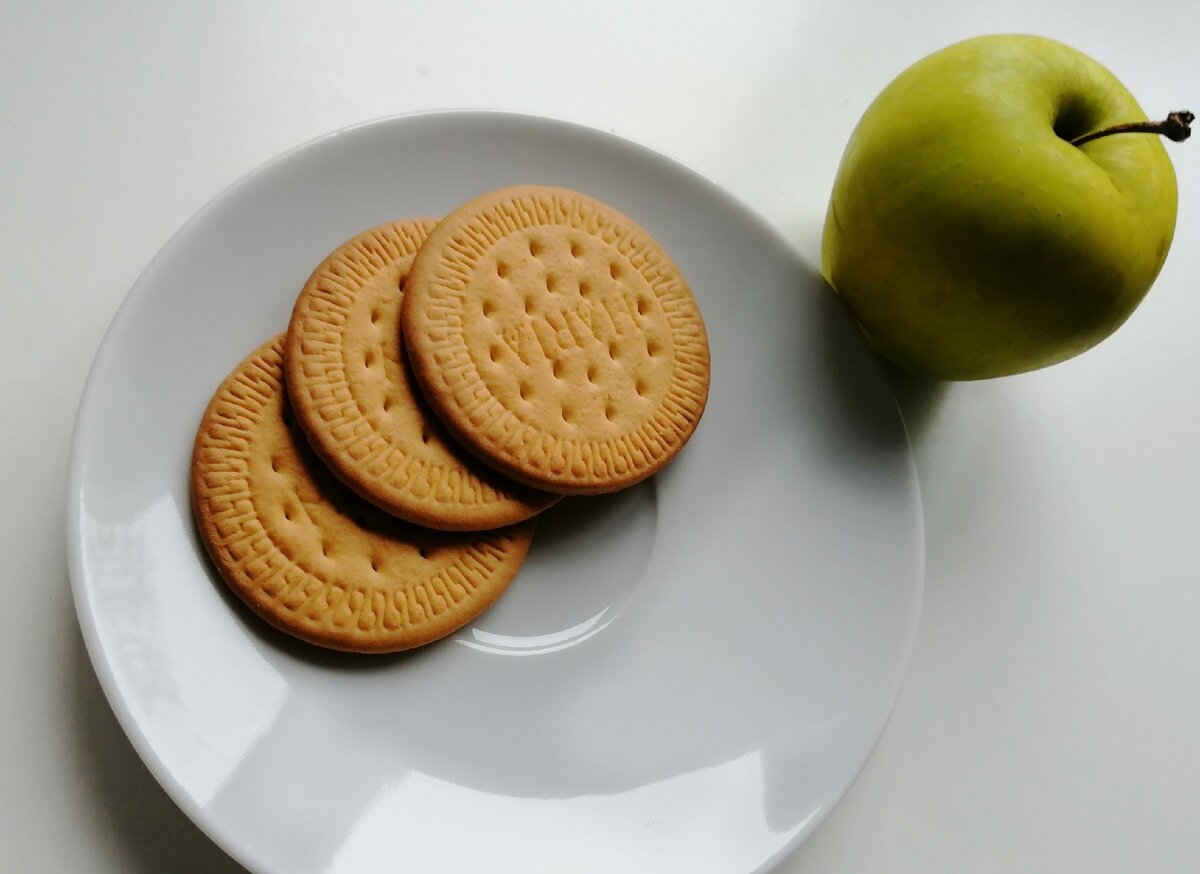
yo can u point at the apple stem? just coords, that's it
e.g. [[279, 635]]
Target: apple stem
[[1175, 127]]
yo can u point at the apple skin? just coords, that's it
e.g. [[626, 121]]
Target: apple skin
[[969, 239]]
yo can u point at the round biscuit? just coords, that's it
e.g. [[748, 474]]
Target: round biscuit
[[309, 556], [353, 395], [556, 340]]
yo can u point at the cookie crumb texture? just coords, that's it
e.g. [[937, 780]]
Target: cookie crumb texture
[[311, 557], [557, 340]]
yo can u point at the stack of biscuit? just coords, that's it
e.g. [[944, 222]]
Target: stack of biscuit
[[369, 480]]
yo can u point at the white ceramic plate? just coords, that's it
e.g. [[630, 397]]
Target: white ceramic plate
[[684, 677]]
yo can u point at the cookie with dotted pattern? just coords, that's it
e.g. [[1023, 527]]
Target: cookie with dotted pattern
[[354, 398], [556, 340], [311, 557]]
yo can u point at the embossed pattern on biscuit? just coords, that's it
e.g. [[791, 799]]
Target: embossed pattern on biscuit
[[307, 554], [557, 340], [354, 397]]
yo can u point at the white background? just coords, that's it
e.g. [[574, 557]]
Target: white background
[[1051, 714]]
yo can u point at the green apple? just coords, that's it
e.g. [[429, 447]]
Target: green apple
[[968, 235]]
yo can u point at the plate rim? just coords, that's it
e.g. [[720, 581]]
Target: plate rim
[[81, 593]]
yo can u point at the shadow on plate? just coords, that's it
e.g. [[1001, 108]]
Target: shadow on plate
[[918, 397]]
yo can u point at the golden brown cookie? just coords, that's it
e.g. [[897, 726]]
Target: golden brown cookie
[[350, 388], [309, 556], [556, 340]]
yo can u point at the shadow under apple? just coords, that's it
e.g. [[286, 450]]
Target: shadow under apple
[[917, 397]]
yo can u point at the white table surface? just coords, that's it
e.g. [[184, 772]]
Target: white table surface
[[1051, 713]]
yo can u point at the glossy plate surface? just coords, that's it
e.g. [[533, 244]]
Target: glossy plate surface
[[684, 677]]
